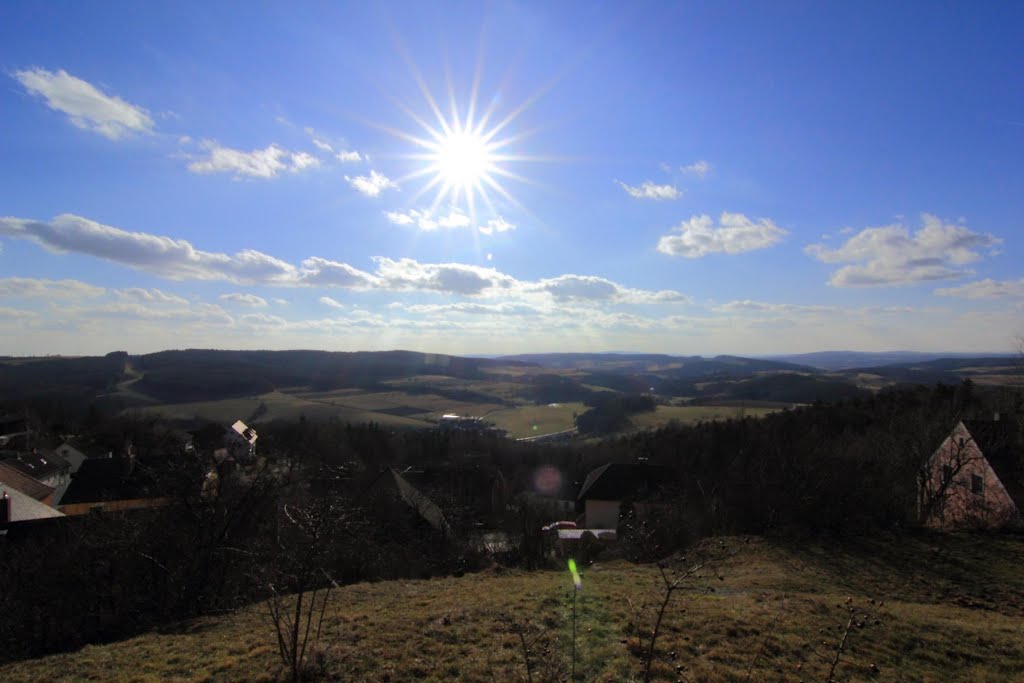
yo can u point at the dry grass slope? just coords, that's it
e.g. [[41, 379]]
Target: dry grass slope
[[953, 611]]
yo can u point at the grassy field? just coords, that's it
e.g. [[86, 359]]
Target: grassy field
[[946, 608], [399, 409], [277, 405], [535, 420], [663, 415]]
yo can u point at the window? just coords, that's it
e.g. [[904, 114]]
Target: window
[[947, 473], [977, 484]]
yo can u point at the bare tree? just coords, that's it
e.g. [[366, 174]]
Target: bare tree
[[676, 574], [297, 574], [951, 483]]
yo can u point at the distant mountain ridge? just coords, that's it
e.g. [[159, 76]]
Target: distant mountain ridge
[[679, 366], [849, 360]]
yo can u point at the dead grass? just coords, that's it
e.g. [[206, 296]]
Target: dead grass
[[952, 611]]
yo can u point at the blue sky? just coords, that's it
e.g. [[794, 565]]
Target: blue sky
[[672, 177]]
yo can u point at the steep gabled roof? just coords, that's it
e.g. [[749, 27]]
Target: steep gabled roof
[[25, 483], [618, 481], [25, 507], [997, 442], [39, 464]]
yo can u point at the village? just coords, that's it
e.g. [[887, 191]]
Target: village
[[971, 480]]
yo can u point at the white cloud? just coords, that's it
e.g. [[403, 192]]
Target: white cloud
[[150, 296], [452, 278], [179, 260], [587, 287], [373, 184], [699, 168], [403, 218], [986, 289], [498, 224], [454, 218], [86, 106], [280, 302], [593, 288], [734, 234], [758, 307], [349, 156], [172, 258], [16, 314], [244, 299], [205, 314], [262, 320], [259, 163], [651, 190], [333, 303], [327, 273], [51, 289], [472, 308], [893, 255], [425, 220], [303, 160]]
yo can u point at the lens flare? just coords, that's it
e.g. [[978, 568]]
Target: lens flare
[[576, 580]]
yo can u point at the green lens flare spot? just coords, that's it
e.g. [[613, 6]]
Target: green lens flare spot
[[577, 581]]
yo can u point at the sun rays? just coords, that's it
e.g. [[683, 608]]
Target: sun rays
[[465, 156]]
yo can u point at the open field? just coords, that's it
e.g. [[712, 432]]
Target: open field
[[401, 409], [277, 405], [952, 610], [535, 420], [663, 415]]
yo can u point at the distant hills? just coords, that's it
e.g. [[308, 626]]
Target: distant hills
[[679, 366], [119, 380], [200, 374], [847, 360]]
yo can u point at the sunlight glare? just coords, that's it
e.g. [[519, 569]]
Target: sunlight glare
[[462, 159]]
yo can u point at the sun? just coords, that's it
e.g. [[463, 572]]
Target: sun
[[462, 159], [465, 151]]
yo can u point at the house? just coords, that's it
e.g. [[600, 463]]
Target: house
[[240, 440], [72, 454], [45, 466], [26, 484], [975, 478], [17, 507], [113, 484], [608, 487]]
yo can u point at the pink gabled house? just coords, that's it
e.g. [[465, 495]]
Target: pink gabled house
[[974, 479]]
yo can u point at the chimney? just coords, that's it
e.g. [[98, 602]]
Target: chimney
[[5, 508]]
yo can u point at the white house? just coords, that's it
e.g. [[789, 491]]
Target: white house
[[74, 456]]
